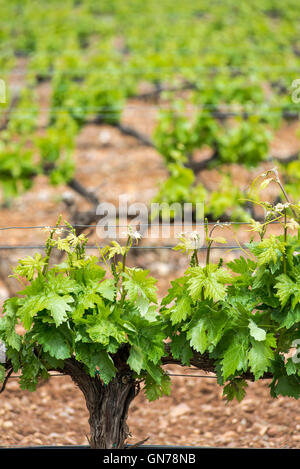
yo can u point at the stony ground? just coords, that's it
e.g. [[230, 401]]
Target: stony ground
[[194, 415]]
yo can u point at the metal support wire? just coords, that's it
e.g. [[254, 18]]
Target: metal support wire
[[199, 68], [218, 223], [192, 376], [194, 225], [203, 248], [56, 375]]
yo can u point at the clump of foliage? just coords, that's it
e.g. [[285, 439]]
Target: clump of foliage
[[239, 319], [79, 309], [245, 316]]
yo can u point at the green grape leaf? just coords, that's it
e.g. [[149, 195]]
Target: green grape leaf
[[256, 332], [177, 289], [260, 355], [285, 288], [235, 355], [53, 342], [2, 373], [180, 348], [107, 289], [136, 359], [29, 266], [137, 283], [58, 306], [181, 310], [268, 250], [210, 280], [103, 330], [154, 390], [290, 366], [287, 386], [96, 359], [87, 299], [198, 337], [107, 370], [8, 324], [288, 317], [235, 389]]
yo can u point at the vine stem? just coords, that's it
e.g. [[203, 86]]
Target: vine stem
[[277, 179], [208, 252], [285, 239], [128, 246], [196, 257], [49, 245], [210, 242]]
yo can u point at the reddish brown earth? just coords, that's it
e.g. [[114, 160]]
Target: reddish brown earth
[[195, 413]]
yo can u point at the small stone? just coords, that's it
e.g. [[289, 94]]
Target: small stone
[[7, 424], [43, 195], [161, 268], [54, 435], [27, 429], [232, 444], [228, 437], [265, 444], [37, 441], [163, 423], [179, 410], [248, 406], [104, 137], [14, 385], [4, 293], [7, 406], [274, 430], [263, 430]]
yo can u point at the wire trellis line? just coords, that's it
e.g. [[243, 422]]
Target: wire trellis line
[[292, 114], [133, 69], [202, 248], [183, 224], [192, 376], [56, 375], [210, 106]]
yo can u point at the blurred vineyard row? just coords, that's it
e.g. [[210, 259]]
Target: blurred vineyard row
[[219, 73]]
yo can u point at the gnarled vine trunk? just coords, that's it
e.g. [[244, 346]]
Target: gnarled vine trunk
[[107, 405]]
